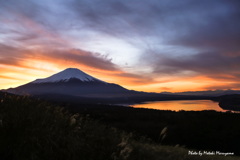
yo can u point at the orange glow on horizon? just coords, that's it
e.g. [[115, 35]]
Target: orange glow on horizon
[[16, 76], [41, 66]]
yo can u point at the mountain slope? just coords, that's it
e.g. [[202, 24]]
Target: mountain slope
[[72, 82]]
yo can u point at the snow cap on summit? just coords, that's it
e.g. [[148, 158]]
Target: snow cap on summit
[[67, 74]]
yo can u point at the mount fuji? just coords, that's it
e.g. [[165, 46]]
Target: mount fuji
[[70, 82]]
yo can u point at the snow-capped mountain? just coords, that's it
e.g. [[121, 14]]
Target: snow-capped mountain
[[70, 82], [67, 75]]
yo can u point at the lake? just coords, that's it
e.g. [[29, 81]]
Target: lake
[[187, 105]]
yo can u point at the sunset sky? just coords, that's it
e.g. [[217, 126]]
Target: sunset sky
[[150, 45]]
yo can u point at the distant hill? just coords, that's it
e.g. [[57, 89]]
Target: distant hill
[[229, 102], [212, 93]]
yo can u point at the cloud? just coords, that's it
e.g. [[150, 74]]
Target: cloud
[[7, 77], [206, 25], [16, 56], [180, 39], [223, 86], [155, 18], [92, 60], [214, 65], [214, 28], [64, 58], [97, 62], [11, 55], [120, 19]]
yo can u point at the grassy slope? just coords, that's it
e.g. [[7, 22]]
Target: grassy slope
[[36, 130]]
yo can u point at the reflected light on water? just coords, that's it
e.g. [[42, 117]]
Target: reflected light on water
[[187, 105]]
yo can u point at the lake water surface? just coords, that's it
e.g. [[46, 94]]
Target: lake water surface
[[187, 105]]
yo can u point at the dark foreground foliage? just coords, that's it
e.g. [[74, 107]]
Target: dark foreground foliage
[[203, 130], [35, 130]]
